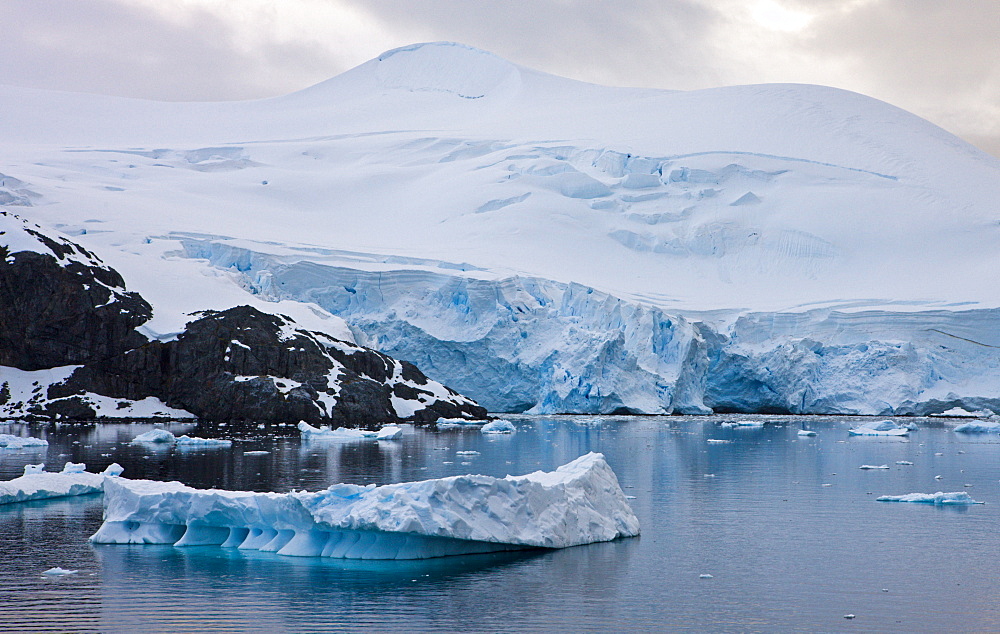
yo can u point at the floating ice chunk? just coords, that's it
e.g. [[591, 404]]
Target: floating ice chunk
[[308, 432], [717, 441], [705, 576], [499, 426], [904, 462], [939, 498], [979, 427], [74, 467], [749, 424], [389, 432], [193, 441], [59, 572], [34, 468], [879, 428], [459, 421], [157, 436], [41, 485], [805, 432], [113, 469], [578, 503], [8, 441], [871, 466], [467, 453], [259, 452]]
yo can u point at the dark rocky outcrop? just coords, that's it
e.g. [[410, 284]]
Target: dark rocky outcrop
[[243, 365], [61, 306]]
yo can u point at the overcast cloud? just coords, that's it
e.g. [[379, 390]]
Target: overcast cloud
[[937, 59]]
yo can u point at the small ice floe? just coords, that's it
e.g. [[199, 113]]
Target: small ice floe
[[705, 576], [499, 426], [155, 436], [849, 616], [113, 469], [59, 572], [979, 427], [194, 441], [938, 477], [8, 441], [467, 453], [34, 468], [453, 423], [904, 462], [805, 432], [259, 452], [629, 497], [708, 475], [879, 428], [871, 466], [388, 432], [939, 498], [748, 424], [717, 441], [74, 467]]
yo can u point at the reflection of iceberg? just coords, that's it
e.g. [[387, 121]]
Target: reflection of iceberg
[[36, 484], [579, 503], [389, 432], [939, 498], [880, 428]]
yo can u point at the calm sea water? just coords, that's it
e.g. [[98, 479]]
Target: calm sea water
[[787, 526]]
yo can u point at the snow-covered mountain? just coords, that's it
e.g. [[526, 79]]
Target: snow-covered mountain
[[540, 243]]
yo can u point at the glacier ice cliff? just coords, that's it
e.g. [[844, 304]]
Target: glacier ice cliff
[[579, 503], [519, 343]]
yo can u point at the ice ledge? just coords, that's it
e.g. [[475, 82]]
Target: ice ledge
[[578, 503]]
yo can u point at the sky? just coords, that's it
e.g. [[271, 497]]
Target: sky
[[937, 58]]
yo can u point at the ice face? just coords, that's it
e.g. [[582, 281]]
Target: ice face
[[578, 503]]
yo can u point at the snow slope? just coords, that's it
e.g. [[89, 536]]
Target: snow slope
[[536, 242]]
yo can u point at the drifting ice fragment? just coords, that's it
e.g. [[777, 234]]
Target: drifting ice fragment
[[717, 441], [578, 503], [8, 441], [880, 428], [74, 467], [806, 432], [499, 426], [193, 441], [40, 485], [904, 462], [454, 422], [308, 432], [59, 572], [939, 498], [466, 453], [871, 466], [34, 468], [157, 436], [979, 427]]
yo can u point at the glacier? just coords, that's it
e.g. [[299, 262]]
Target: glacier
[[579, 503], [544, 245]]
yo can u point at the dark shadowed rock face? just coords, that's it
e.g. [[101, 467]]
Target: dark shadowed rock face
[[59, 304], [242, 365]]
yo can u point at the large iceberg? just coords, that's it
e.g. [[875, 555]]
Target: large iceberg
[[578, 503], [979, 427]]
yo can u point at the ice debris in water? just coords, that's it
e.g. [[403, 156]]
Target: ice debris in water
[[162, 436], [388, 432], [904, 462], [499, 426], [467, 453], [454, 423], [37, 484], [872, 466], [717, 441], [59, 572], [806, 432], [979, 427], [879, 428], [8, 441], [578, 503], [939, 498]]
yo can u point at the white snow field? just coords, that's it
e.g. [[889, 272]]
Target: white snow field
[[579, 503], [38, 484], [542, 244]]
